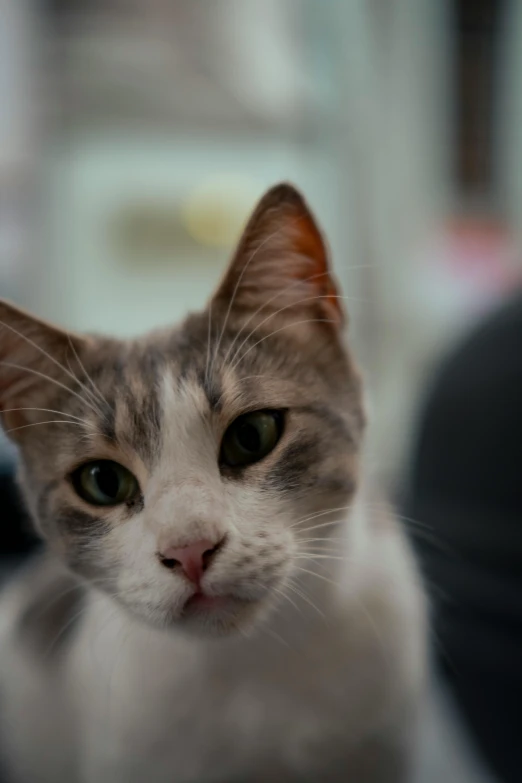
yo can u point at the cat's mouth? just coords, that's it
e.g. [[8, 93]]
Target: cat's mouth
[[202, 600], [217, 614]]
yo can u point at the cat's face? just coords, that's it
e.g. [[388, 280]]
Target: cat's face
[[181, 472]]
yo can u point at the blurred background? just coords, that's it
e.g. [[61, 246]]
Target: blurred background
[[136, 136]]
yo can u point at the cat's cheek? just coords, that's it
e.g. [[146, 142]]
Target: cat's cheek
[[141, 582], [78, 536]]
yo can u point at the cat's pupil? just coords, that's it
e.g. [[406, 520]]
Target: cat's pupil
[[107, 480], [249, 437]]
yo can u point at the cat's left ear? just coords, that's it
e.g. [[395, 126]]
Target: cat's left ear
[[281, 264], [36, 361]]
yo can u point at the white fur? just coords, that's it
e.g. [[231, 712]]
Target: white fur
[[141, 704]]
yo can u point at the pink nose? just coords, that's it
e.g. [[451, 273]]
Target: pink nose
[[194, 559]]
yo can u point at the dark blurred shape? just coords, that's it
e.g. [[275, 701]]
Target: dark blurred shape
[[466, 486], [478, 24], [16, 537]]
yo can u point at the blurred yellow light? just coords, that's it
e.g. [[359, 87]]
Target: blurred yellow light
[[215, 211]]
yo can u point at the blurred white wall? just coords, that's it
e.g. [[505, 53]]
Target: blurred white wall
[[393, 145], [90, 283], [348, 100], [18, 143]]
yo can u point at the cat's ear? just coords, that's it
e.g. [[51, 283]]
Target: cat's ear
[[281, 263], [34, 358]]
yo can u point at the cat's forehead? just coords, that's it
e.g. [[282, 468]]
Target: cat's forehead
[[220, 362], [191, 373], [188, 384]]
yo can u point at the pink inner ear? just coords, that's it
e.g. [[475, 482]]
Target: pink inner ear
[[308, 242], [282, 244]]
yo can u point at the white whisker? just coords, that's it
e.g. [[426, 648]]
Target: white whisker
[[39, 374], [282, 328], [287, 288], [236, 288], [326, 539], [287, 597], [319, 576], [322, 525], [281, 310], [41, 350], [97, 391], [305, 598], [38, 423], [274, 635], [280, 293], [209, 339], [319, 514], [47, 410], [321, 556]]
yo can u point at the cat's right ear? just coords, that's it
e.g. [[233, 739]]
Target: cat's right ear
[[34, 359], [281, 264]]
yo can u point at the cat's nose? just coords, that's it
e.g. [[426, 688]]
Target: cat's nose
[[194, 558]]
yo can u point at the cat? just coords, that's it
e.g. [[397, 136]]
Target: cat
[[218, 600]]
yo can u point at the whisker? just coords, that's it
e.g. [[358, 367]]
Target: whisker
[[326, 539], [280, 293], [77, 586], [319, 514], [318, 549], [305, 598], [274, 635], [236, 288], [38, 423], [209, 339], [65, 627], [321, 556], [420, 529], [89, 394], [41, 350], [319, 576], [287, 288], [359, 604], [97, 391], [425, 532], [287, 597], [276, 331], [46, 410], [281, 310], [322, 525], [389, 508], [39, 374]]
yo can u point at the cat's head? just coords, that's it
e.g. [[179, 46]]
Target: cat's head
[[186, 473]]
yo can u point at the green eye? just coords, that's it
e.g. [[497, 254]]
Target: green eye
[[104, 483], [251, 437]]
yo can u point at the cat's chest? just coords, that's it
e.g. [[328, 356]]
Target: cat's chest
[[195, 709], [233, 689]]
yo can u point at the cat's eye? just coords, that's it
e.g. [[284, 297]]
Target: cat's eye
[[104, 483], [251, 437]]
